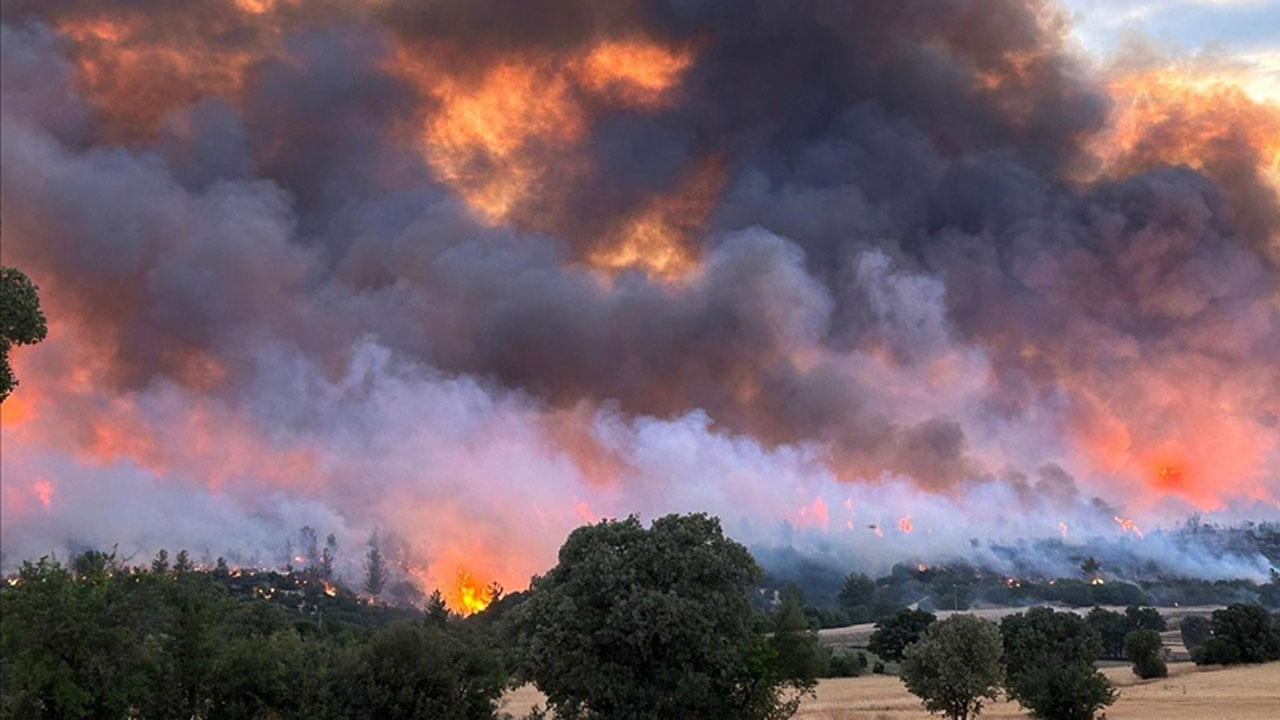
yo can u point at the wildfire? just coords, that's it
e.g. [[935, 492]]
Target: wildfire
[[329, 588], [471, 597], [921, 567], [904, 524], [1062, 528], [1097, 581], [1127, 526]]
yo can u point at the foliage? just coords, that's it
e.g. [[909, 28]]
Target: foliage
[[893, 634], [375, 569], [955, 665], [656, 623], [846, 664], [99, 640], [1195, 630], [1241, 634], [21, 321], [1112, 627], [1144, 649], [1049, 658]]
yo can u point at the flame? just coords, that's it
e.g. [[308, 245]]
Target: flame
[[904, 524], [921, 567], [1097, 581], [329, 588], [1062, 528], [471, 597], [1127, 526]]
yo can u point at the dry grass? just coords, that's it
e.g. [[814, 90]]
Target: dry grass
[[1190, 693]]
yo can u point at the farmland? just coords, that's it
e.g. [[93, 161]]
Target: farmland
[[1189, 693]]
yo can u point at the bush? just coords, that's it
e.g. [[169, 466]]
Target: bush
[[848, 664], [955, 665], [1049, 658], [893, 634], [1195, 630], [1144, 649], [878, 668], [1112, 627]]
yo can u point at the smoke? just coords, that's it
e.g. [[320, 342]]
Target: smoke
[[874, 280]]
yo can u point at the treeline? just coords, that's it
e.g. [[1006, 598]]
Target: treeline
[[1045, 659], [959, 586], [651, 622]]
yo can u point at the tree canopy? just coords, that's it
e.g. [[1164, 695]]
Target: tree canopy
[[955, 665], [21, 321], [1049, 658], [656, 623]]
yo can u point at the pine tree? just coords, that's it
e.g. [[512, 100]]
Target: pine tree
[[326, 564], [183, 562], [375, 569], [437, 612], [160, 565]]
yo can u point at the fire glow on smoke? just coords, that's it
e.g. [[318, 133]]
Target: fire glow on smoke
[[871, 274]]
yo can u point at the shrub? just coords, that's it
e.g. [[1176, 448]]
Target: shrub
[[893, 634], [1049, 658], [955, 665], [1144, 649], [848, 664]]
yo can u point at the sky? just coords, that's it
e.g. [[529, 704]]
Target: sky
[[1243, 31], [874, 281]]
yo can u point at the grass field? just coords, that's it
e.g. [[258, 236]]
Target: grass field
[[1189, 693]]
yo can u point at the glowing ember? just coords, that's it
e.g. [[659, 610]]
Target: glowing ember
[[921, 567], [904, 524], [1062, 528]]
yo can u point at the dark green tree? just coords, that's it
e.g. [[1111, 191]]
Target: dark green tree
[[160, 564], [437, 611], [653, 623], [418, 672], [955, 665], [1144, 649], [1144, 618], [182, 563], [375, 569], [894, 633], [1242, 633], [1195, 631], [21, 321], [1111, 628], [859, 590], [1049, 660]]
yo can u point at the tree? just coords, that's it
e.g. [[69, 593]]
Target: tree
[[1241, 634], [310, 544], [893, 634], [1144, 618], [1049, 659], [1144, 649], [956, 664], [21, 321], [413, 671], [183, 564], [795, 644], [1111, 629], [1195, 630], [437, 612], [375, 569], [160, 565], [654, 623], [859, 590]]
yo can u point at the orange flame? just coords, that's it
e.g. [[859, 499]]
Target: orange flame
[[904, 524], [471, 597], [1128, 526]]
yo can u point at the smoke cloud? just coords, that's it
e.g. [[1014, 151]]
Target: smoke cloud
[[873, 280]]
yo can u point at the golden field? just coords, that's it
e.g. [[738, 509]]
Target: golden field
[[1189, 693]]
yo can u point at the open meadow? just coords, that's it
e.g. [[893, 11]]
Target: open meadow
[[1189, 693]]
